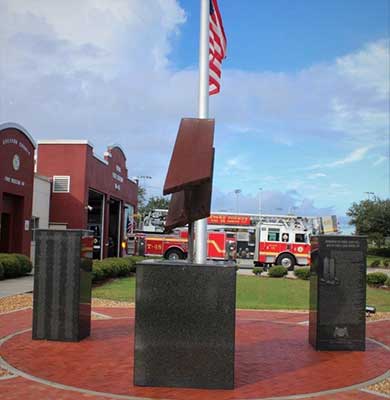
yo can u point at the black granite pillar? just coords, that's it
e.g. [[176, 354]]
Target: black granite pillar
[[338, 292], [185, 325], [62, 285]]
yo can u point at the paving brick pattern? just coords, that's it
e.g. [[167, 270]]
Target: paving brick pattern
[[273, 358]]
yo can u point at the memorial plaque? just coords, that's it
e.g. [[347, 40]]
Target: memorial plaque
[[185, 325], [338, 292], [62, 285]]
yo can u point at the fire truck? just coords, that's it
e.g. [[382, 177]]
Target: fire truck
[[266, 239], [283, 241], [220, 245]]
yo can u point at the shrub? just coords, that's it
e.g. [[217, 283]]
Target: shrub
[[14, 265], [382, 252], [257, 270], [375, 264], [376, 278], [277, 271], [302, 273], [114, 267], [1, 271], [387, 283], [386, 263]]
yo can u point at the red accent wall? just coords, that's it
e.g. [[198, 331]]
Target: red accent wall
[[100, 176], [16, 185], [68, 160], [86, 172]]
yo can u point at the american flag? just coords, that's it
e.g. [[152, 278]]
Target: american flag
[[129, 225], [217, 48]]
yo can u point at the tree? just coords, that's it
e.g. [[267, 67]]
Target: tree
[[155, 202], [371, 218], [141, 198]]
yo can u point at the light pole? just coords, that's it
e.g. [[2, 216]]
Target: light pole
[[237, 192], [369, 194], [260, 200], [141, 195], [292, 210]]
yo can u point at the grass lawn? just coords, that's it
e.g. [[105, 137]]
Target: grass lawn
[[122, 289], [252, 292]]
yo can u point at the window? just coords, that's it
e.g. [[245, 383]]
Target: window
[[285, 237], [300, 238], [61, 184], [273, 235]]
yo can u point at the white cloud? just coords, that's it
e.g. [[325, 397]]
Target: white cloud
[[273, 202], [379, 160], [285, 140], [316, 175], [102, 71], [356, 155], [368, 68]]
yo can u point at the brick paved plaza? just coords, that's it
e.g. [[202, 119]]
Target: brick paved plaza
[[273, 360]]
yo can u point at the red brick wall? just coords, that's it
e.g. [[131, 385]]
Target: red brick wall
[[68, 160], [17, 182]]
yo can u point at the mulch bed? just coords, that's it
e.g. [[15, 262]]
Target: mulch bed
[[4, 372], [381, 387]]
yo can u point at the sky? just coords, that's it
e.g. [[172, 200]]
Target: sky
[[302, 119]]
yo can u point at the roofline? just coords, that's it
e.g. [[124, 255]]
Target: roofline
[[65, 141], [14, 125], [112, 146], [42, 177], [102, 160]]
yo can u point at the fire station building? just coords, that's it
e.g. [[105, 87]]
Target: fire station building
[[89, 192], [16, 188]]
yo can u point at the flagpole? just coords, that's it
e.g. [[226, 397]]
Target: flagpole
[[203, 112]]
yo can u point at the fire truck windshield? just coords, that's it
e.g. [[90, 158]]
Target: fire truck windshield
[[300, 238]]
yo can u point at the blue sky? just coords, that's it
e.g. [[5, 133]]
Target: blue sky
[[304, 107], [283, 35]]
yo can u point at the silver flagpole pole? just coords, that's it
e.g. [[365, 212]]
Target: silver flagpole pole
[[201, 225]]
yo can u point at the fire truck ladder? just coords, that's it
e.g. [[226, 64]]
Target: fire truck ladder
[[288, 221]]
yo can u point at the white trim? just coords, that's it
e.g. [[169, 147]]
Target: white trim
[[112, 146], [14, 125], [102, 241], [100, 158], [119, 251], [42, 178], [65, 141]]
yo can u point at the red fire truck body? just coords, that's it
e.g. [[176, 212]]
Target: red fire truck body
[[278, 243], [220, 245]]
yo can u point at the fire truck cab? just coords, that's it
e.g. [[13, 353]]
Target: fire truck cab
[[282, 244]]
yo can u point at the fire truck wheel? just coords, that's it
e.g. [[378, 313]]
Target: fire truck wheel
[[174, 254], [287, 261]]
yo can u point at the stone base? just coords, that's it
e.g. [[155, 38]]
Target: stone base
[[185, 325]]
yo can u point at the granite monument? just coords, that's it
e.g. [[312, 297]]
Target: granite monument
[[184, 325], [338, 292], [62, 285]]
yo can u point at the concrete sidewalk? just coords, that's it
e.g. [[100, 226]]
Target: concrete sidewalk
[[10, 287]]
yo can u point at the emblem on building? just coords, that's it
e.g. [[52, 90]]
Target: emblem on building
[[16, 162]]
